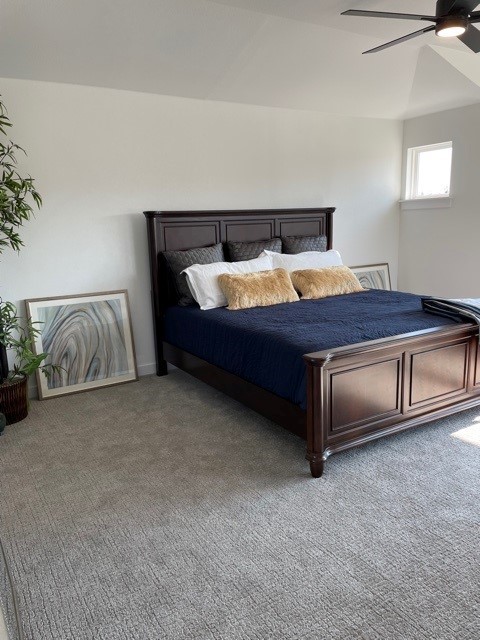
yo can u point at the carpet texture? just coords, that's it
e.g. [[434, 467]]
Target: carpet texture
[[162, 509]]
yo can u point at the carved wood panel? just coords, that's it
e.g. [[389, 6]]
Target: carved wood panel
[[477, 368], [178, 236], [354, 400], [438, 374], [248, 230], [296, 227]]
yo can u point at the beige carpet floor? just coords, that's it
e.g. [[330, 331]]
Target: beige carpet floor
[[162, 509]]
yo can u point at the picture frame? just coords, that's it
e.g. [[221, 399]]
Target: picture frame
[[89, 336], [374, 276]]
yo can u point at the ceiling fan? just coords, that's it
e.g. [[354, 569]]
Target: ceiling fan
[[453, 18]]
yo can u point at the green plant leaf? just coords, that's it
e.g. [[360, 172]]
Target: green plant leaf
[[17, 192]]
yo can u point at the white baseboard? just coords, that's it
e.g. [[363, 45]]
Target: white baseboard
[[146, 369]]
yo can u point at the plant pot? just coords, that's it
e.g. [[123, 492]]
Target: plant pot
[[14, 399]]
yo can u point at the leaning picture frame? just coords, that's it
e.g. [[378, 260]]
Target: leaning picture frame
[[373, 276], [89, 339]]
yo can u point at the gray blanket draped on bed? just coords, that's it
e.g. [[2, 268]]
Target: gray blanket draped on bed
[[458, 309]]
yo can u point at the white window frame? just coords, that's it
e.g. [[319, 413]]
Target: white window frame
[[412, 171]]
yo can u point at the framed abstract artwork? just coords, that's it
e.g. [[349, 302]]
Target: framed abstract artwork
[[373, 276], [88, 337]]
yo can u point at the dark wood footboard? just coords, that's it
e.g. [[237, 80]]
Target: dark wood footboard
[[363, 392]]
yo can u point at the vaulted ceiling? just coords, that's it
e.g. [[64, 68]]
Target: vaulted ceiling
[[300, 54]]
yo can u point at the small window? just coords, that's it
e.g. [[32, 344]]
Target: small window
[[428, 171]]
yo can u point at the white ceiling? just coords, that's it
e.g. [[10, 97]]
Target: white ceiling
[[299, 54]]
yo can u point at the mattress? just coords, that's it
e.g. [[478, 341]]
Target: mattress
[[265, 345]]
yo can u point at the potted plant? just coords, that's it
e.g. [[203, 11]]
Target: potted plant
[[18, 337], [18, 196]]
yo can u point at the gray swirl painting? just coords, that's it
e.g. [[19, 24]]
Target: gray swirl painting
[[373, 278], [86, 339]]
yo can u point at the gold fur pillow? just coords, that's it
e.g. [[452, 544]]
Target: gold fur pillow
[[321, 283], [261, 289]]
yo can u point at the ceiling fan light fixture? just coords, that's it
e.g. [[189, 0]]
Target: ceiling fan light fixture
[[451, 27]]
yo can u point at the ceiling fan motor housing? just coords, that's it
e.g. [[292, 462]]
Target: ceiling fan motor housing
[[450, 22]]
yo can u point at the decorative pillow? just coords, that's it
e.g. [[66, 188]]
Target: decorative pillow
[[299, 244], [178, 261], [257, 289], [203, 283], [239, 251], [321, 283], [306, 260]]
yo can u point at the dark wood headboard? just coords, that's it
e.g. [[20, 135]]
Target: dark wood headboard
[[170, 230]]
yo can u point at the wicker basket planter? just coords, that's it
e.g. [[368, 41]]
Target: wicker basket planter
[[14, 399]]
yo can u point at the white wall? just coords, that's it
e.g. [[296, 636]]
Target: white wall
[[100, 157], [439, 247]]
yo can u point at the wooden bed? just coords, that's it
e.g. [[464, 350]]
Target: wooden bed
[[354, 394]]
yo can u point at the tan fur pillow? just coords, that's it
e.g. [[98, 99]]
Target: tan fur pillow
[[260, 289], [321, 283]]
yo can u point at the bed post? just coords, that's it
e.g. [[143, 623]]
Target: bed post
[[156, 299], [315, 437], [329, 226]]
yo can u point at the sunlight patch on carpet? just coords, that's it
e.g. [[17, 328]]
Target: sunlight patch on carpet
[[470, 434]]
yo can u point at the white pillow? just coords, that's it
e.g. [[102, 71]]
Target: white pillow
[[305, 260], [202, 279]]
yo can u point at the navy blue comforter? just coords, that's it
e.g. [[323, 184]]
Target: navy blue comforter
[[265, 345]]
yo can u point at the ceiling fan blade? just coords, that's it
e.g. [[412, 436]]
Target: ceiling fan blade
[[468, 5], [402, 39], [385, 14], [475, 16], [471, 38]]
